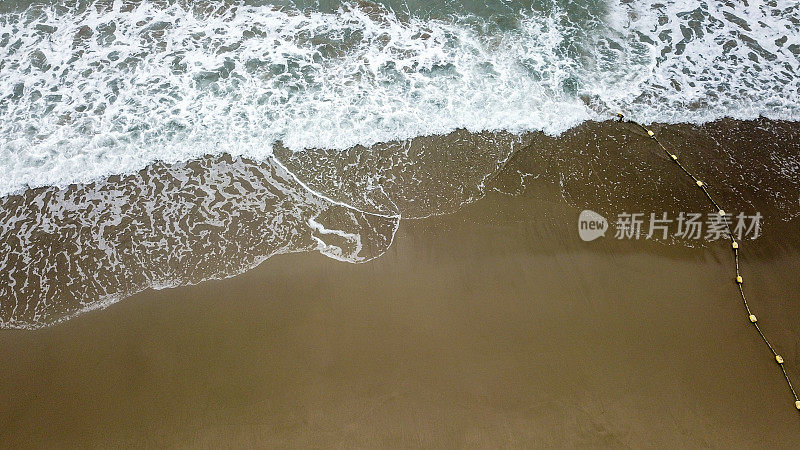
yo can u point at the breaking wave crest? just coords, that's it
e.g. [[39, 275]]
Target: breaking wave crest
[[112, 86]]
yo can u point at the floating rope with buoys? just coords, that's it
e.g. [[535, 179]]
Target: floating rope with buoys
[[734, 246]]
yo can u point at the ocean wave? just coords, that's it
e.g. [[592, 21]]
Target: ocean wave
[[114, 86]]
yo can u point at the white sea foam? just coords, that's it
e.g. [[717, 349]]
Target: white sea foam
[[84, 94], [67, 251]]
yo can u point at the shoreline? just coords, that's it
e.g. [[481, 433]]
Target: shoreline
[[493, 323], [173, 225]]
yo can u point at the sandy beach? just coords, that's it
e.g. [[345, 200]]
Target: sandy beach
[[399, 224], [490, 326]]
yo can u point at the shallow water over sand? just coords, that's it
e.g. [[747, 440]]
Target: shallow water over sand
[[66, 251]]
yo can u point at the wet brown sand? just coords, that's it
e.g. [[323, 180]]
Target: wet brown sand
[[492, 326]]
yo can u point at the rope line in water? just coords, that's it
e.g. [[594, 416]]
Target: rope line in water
[[734, 246]]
